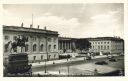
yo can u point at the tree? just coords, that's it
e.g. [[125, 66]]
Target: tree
[[83, 44]]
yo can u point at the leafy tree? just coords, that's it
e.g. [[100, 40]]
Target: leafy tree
[[83, 44]]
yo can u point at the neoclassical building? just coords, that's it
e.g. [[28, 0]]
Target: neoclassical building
[[66, 44], [110, 45], [41, 43], [44, 44], [104, 45]]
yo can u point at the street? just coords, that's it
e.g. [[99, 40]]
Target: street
[[82, 67]]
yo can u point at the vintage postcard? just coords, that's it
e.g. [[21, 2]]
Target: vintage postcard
[[69, 40], [63, 40]]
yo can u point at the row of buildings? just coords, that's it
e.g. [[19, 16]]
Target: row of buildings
[[46, 44]]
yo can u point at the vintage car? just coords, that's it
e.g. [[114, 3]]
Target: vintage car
[[113, 60], [101, 63]]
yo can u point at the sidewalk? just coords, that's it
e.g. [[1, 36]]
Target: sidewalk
[[63, 61]]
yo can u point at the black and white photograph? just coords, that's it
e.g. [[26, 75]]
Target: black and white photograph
[[63, 40]]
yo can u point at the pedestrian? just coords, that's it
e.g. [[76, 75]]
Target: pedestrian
[[53, 62], [59, 71], [95, 72]]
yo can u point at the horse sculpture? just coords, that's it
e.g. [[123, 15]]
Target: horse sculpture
[[18, 42]]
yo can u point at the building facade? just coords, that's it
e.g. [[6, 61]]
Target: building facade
[[41, 44], [66, 45], [106, 45]]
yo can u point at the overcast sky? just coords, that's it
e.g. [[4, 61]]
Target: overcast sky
[[70, 20]]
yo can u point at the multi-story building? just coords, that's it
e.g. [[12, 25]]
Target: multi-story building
[[42, 44], [109, 45], [45, 44], [99, 45]]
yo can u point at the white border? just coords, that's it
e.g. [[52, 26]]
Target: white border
[[66, 78]]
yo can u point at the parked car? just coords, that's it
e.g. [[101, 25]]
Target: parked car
[[113, 60], [110, 57], [101, 63]]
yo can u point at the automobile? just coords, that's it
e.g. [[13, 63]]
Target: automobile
[[113, 60], [110, 57], [101, 63]]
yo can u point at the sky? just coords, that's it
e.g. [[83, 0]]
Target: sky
[[70, 20]]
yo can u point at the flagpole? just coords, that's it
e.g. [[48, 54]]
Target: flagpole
[[32, 20]]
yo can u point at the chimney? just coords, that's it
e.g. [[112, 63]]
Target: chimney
[[22, 24], [30, 25], [45, 28], [38, 26]]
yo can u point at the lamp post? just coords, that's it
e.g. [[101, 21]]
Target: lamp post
[[45, 67], [47, 47], [67, 66]]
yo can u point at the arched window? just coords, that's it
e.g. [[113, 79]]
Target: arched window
[[54, 46], [41, 57], [98, 47], [34, 47], [104, 47], [26, 48], [101, 47], [41, 47], [108, 47], [34, 57], [49, 47]]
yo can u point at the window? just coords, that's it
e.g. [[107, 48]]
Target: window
[[104, 47], [34, 57], [34, 47], [98, 47], [6, 37], [104, 42], [108, 42], [54, 46], [41, 57], [49, 39], [41, 47], [54, 40], [101, 47], [49, 48], [108, 47], [98, 42], [26, 48]]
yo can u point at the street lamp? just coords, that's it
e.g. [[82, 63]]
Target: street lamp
[[45, 67], [68, 66]]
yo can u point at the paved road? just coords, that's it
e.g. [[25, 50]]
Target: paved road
[[80, 66]]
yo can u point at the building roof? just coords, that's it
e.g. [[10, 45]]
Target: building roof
[[30, 30], [66, 38], [105, 38], [93, 39]]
